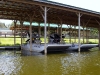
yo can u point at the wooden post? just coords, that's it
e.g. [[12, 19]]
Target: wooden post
[[30, 34], [39, 29], [21, 23], [75, 33], [79, 15], [70, 34], [86, 35], [48, 27], [61, 33], [83, 33], [99, 37], [57, 29], [15, 32], [45, 28], [79, 31]]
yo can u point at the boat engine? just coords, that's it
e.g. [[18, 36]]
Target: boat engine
[[54, 38], [35, 38]]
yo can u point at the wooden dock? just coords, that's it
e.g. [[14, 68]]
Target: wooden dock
[[10, 48]]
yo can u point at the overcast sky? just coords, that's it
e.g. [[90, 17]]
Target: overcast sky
[[87, 4], [7, 22]]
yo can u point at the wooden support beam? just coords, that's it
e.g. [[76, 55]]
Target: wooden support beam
[[45, 9], [15, 21], [21, 23]]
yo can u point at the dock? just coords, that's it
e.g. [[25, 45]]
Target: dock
[[10, 48]]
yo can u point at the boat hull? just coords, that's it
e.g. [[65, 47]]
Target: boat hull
[[35, 47], [49, 47], [83, 47]]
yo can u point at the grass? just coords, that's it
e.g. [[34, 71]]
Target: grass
[[10, 41], [81, 41]]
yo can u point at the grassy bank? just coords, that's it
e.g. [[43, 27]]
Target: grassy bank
[[10, 41]]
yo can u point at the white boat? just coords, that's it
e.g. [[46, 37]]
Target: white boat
[[53, 45], [49, 47], [84, 47]]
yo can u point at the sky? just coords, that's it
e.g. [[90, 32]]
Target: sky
[[7, 22], [87, 4]]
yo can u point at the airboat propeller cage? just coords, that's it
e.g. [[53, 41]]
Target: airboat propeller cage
[[55, 38], [34, 35]]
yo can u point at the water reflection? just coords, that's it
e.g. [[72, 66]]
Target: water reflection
[[84, 63], [81, 64], [9, 63]]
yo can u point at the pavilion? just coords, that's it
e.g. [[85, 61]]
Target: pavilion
[[44, 11]]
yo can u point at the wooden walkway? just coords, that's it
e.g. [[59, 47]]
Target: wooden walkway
[[10, 48]]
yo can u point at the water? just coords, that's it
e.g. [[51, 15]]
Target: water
[[72, 63]]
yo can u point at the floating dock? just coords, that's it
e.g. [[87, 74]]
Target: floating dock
[[10, 48]]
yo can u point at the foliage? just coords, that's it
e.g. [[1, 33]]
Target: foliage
[[94, 32]]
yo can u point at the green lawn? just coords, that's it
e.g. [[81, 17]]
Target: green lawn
[[10, 41], [81, 40]]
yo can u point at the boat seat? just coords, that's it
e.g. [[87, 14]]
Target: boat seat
[[37, 41]]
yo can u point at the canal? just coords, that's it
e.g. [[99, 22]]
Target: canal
[[68, 63]]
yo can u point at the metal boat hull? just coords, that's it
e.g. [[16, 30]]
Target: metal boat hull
[[50, 47], [84, 47]]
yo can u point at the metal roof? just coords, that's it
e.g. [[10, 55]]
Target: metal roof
[[68, 6], [58, 13]]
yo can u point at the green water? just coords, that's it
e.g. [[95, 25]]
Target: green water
[[72, 63]]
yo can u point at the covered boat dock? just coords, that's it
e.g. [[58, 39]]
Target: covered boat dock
[[44, 11]]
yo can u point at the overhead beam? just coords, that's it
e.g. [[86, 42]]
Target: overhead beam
[[51, 5]]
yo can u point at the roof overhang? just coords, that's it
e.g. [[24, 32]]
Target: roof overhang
[[57, 13]]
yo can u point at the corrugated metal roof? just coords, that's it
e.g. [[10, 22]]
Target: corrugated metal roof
[[58, 14], [68, 6]]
